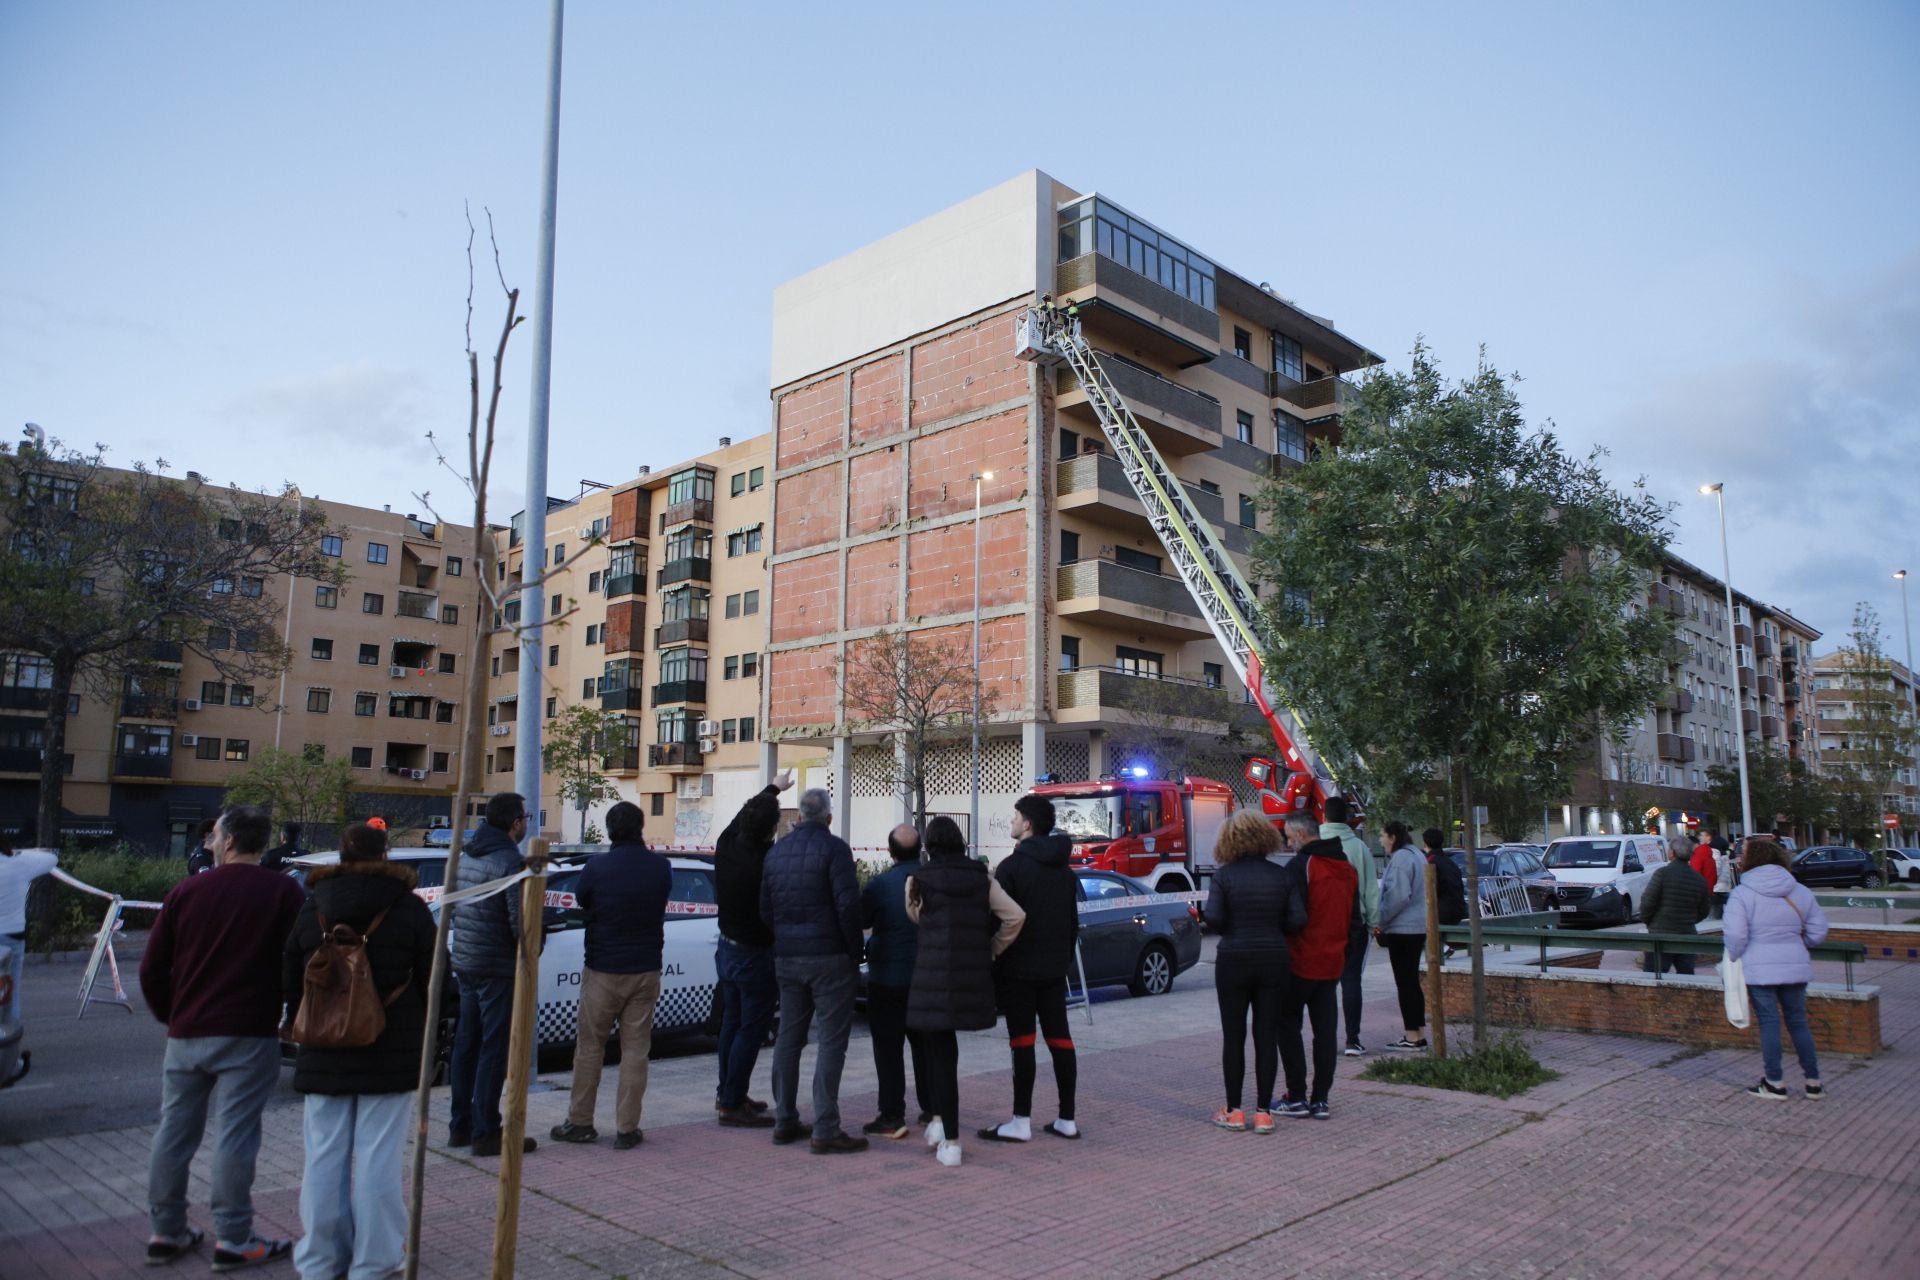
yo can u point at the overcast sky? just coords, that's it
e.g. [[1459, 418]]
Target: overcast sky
[[232, 236]]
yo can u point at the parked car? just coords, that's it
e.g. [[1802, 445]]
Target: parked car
[[1833, 864], [14, 1059], [1597, 879], [1133, 937], [1903, 864], [1521, 862]]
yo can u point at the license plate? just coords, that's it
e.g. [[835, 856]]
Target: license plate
[[1568, 910]]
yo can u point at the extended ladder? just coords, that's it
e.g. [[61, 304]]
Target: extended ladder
[[1223, 596]]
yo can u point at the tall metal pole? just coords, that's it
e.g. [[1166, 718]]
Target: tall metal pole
[[1733, 647], [973, 822], [533, 554], [1913, 694]]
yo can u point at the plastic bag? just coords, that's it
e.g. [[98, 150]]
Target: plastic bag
[[1734, 979]]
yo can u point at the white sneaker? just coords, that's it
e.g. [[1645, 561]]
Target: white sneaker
[[936, 1132], [948, 1154]]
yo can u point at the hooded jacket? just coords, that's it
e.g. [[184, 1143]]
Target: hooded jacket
[[1705, 864], [400, 951], [739, 856], [1771, 920], [486, 933], [1036, 876], [1676, 899], [1403, 893], [1325, 877], [1361, 859]]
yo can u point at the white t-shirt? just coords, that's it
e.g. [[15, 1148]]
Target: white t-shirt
[[16, 873]]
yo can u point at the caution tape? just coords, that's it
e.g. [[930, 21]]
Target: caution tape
[[97, 892], [1139, 900]]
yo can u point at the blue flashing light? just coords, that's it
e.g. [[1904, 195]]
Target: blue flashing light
[[1138, 771]]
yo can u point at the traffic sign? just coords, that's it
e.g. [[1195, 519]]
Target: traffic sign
[[1891, 821]]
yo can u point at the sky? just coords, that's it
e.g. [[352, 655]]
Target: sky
[[232, 234]]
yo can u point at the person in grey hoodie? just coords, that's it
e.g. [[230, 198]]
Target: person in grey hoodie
[[1403, 931], [1771, 920]]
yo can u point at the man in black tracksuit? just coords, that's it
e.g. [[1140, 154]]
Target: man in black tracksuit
[[1030, 978]]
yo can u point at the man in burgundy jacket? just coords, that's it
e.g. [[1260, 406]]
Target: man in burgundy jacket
[[211, 972]]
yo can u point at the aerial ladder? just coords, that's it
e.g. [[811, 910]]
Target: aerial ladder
[[1049, 334]]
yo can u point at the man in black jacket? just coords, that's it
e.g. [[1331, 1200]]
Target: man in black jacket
[[276, 858], [743, 958], [1031, 975], [484, 951], [1676, 901], [810, 898]]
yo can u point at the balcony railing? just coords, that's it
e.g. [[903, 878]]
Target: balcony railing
[[1791, 690], [414, 605], [673, 755], [680, 631], [688, 569], [679, 691], [19, 697], [1678, 701], [1763, 645], [1676, 747], [1124, 583], [1114, 689], [29, 759], [700, 509], [621, 760], [1678, 652], [1771, 727], [1143, 389], [142, 706], [1769, 687], [622, 699], [142, 766], [1334, 393], [624, 584], [160, 651]]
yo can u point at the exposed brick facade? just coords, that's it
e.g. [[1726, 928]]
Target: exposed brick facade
[[1883, 942], [804, 687], [940, 566], [966, 370], [807, 509], [805, 598], [873, 585], [943, 463], [873, 492], [626, 625], [812, 422], [1003, 653], [629, 514], [876, 399]]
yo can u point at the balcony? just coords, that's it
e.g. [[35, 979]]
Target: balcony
[[140, 706], [1769, 687], [1661, 596], [1318, 399], [1772, 728], [1747, 676], [1676, 747], [693, 509], [1131, 311], [1179, 421], [1749, 720], [1763, 645], [1092, 694], [680, 631], [624, 584], [1678, 701], [679, 691], [1790, 691], [1743, 634], [142, 766], [686, 569], [29, 759], [621, 760], [674, 755], [171, 651], [1678, 652], [414, 605], [631, 699], [1095, 486], [20, 697], [1111, 594]]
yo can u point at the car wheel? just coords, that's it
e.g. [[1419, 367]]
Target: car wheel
[[1626, 911], [1913, 877], [1172, 884], [1871, 880], [1153, 973]]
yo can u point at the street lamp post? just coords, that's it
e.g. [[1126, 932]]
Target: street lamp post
[[1913, 695], [973, 822], [1733, 646]]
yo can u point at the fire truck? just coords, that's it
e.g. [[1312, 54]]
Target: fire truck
[[1161, 832], [1298, 781]]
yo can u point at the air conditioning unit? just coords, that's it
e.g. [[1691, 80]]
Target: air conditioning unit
[[191, 704], [708, 745], [189, 739], [586, 533], [418, 775], [709, 728], [396, 672]]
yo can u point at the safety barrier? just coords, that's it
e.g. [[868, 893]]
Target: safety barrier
[[103, 944]]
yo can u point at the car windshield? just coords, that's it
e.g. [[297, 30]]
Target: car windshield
[[1489, 862], [1583, 853], [1082, 818]]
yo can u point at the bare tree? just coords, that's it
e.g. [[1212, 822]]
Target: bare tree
[[916, 691], [1161, 720]]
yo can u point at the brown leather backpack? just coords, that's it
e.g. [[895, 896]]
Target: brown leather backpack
[[339, 1005]]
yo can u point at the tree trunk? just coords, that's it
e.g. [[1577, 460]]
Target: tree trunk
[[1477, 950], [53, 779], [1436, 992]]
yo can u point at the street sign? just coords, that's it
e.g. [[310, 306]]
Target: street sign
[[1891, 821]]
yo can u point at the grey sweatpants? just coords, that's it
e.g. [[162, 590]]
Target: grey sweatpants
[[235, 1074]]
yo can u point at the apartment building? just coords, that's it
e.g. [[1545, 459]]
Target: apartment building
[[690, 541], [905, 430], [1836, 690], [1755, 684], [377, 678]]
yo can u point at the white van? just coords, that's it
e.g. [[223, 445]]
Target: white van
[[1598, 879]]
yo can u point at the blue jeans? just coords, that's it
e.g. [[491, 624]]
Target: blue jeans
[[1769, 1003], [809, 985], [353, 1207], [748, 996], [479, 1069], [235, 1074]]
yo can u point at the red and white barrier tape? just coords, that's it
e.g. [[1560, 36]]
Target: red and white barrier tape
[[84, 887]]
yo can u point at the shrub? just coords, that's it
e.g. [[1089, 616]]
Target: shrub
[[60, 918], [1502, 1069]]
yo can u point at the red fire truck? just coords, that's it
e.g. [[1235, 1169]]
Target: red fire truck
[[1160, 832]]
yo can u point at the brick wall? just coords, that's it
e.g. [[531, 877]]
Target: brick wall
[[966, 370], [876, 398], [807, 509], [805, 598], [1003, 644], [873, 491], [803, 687], [942, 462], [1883, 942], [1694, 1013], [940, 566], [630, 512], [626, 624], [873, 585], [810, 421]]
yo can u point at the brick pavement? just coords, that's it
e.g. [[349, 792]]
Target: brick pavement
[[1643, 1159]]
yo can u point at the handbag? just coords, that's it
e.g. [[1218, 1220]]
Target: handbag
[[1733, 977]]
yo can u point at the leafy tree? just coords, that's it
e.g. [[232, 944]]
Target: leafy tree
[[1784, 792], [1161, 721], [295, 786], [110, 577], [575, 745], [1876, 736], [1449, 584], [915, 689]]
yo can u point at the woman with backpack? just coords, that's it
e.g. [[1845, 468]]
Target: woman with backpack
[[352, 1203], [1403, 931], [1771, 920]]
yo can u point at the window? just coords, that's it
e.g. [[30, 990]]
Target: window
[[250, 588], [246, 641], [657, 804], [1137, 662], [330, 545], [221, 587], [454, 567], [363, 704], [1243, 426], [1247, 513], [500, 570], [219, 638], [237, 749], [213, 693], [1097, 225], [1069, 653], [443, 713], [1069, 547], [447, 661], [369, 655], [323, 650], [1209, 486], [450, 614], [559, 553], [730, 669], [756, 479], [1286, 357], [1211, 673], [1069, 443], [440, 761], [553, 707], [553, 655], [86, 586], [553, 605], [372, 603], [1242, 343], [728, 731], [749, 604], [363, 757], [326, 597], [692, 485], [1289, 436], [733, 606], [743, 542], [208, 748], [240, 695], [737, 485], [586, 687], [1136, 559], [376, 553], [593, 633], [496, 664], [749, 665], [593, 583], [319, 701], [746, 728]]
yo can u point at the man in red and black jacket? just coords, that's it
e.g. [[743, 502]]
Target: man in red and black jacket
[[1317, 956]]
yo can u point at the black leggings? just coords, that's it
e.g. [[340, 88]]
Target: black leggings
[[1403, 950], [942, 1050], [1242, 983], [1024, 1001]]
